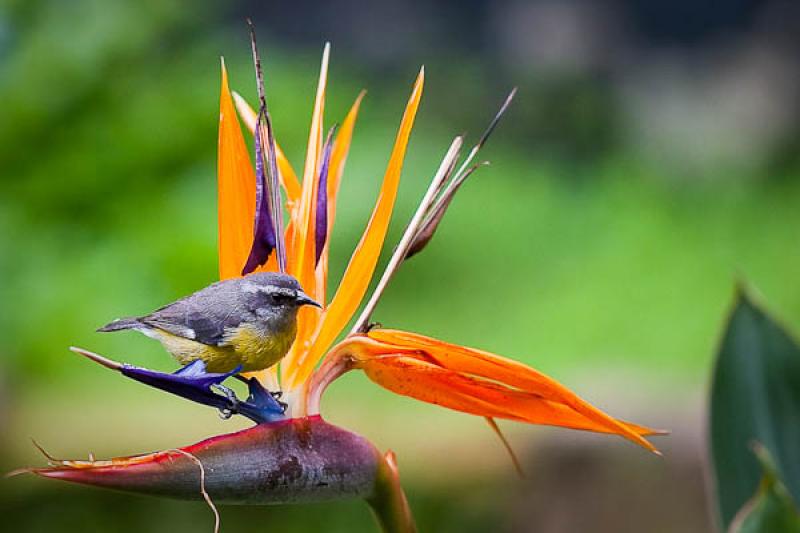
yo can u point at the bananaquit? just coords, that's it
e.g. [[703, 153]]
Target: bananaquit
[[247, 323]]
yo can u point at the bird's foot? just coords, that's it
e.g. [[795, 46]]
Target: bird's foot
[[227, 392], [226, 412]]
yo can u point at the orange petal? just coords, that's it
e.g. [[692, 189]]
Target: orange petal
[[341, 147], [288, 177], [415, 370], [362, 264], [503, 370], [236, 189], [301, 260]]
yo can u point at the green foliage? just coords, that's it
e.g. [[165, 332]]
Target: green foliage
[[755, 396], [771, 510]]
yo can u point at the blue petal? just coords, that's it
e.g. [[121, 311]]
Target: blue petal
[[191, 382], [194, 383]]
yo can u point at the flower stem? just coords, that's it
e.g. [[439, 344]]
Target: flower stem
[[389, 503], [333, 366]]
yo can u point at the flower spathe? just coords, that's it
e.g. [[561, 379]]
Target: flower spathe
[[291, 461]]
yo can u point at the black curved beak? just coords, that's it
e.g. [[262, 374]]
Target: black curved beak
[[305, 299]]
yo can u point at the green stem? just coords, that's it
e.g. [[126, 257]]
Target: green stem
[[388, 502]]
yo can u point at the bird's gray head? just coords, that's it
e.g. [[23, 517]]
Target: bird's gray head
[[273, 293]]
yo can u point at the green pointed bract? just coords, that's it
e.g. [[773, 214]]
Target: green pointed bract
[[755, 397]]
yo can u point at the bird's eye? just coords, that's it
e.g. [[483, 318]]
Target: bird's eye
[[280, 297]]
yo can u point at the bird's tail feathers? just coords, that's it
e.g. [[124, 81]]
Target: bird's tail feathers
[[121, 324]]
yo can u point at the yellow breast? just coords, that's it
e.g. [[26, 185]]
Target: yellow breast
[[245, 345], [257, 351]]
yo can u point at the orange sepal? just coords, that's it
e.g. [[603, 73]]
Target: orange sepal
[[358, 273], [478, 383], [236, 186]]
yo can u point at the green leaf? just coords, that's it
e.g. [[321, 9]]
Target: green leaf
[[755, 396], [771, 510]]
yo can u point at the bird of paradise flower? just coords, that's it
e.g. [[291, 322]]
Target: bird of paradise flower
[[296, 456]]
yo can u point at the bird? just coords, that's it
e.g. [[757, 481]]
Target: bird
[[246, 323]]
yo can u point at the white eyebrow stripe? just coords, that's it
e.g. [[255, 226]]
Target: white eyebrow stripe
[[253, 288], [286, 292]]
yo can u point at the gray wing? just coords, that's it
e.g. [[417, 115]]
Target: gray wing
[[203, 316]]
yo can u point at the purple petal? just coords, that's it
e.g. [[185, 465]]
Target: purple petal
[[264, 234], [321, 222], [270, 183], [274, 192], [431, 223]]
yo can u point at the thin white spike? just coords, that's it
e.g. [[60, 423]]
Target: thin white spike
[[408, 236]]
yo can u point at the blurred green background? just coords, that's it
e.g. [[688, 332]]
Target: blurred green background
[[650, 159]]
